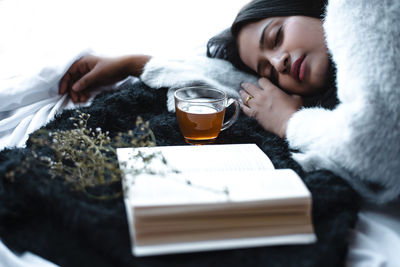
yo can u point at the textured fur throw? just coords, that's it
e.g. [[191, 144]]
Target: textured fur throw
[[359, 139], [45, 216]]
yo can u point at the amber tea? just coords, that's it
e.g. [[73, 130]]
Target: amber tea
[[200, 112], [199, 122]]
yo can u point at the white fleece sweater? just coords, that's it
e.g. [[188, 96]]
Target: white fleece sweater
[[360, 139]]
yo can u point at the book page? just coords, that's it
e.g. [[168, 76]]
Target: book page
[[206, 174], [216, 187], [211, 158]]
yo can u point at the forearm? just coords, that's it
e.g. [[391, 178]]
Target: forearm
[[133, 65]]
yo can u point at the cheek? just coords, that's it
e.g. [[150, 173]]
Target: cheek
[[320, 70], [289, 85], [305, 34], [297, 41]]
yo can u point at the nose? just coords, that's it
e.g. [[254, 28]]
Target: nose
[[280, 61]]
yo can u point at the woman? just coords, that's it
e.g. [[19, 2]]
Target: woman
[[266, 39]]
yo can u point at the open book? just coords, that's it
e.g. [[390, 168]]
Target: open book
[[195, 198]]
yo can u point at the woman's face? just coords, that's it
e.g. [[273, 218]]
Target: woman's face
[[290, 51]]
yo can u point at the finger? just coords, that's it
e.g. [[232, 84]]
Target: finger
[[251, 89], [247, 111], [74, 96], [83, 99], [266, 84], [69, 77], [245, 96], [65, 83], [85, 82], [62, 88], [84, 96]]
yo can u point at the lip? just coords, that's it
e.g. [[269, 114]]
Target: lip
[[297, 70]]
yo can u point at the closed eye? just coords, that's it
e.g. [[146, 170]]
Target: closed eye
[[278, 36]]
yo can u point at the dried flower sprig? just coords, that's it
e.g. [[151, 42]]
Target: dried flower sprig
[[85, 158]]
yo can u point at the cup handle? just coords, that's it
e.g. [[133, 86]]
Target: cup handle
[[235, 115]]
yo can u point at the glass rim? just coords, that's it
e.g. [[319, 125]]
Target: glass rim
[[203, 87]]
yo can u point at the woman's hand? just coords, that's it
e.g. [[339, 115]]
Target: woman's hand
[[269, 105], [91, 71]]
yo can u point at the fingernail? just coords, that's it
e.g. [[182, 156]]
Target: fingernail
[[75, 87]]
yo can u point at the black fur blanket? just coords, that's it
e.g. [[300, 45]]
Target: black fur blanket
[[45, 216]]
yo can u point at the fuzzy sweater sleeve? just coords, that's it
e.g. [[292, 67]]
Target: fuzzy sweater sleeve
[[174, 73]]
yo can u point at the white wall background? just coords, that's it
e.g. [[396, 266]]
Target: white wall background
[[32, 32]]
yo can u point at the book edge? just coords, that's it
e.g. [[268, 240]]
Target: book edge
[[187, 247]]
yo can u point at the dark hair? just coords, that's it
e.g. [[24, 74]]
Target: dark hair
[[224, 45]]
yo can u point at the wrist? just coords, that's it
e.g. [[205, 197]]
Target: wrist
[[134, 64], [282, 132]]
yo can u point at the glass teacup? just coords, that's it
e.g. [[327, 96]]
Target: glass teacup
[[200, 111]]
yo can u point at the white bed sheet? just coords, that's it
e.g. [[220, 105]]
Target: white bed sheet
[[27, 259], [29, 102], [36, 56], [375, 242]]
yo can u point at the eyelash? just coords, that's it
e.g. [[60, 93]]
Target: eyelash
[[278, 36]]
